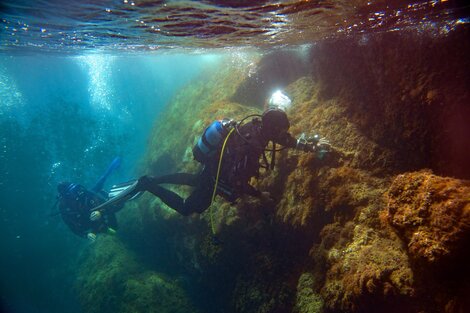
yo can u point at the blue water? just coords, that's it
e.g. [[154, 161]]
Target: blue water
[[66, 118]]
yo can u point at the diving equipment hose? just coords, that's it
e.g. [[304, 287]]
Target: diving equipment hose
[[214, 193]]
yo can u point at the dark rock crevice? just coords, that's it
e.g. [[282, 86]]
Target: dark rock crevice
[[408, 93]]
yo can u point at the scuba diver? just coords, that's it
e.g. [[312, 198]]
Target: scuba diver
[[230, 153], [75, 204]]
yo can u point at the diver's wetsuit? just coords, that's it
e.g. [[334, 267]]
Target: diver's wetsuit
[[241, 162], [75, 205], [198, 201]]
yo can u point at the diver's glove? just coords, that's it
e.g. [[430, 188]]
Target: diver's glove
[[95, 215], [91, 237], [319, 145]]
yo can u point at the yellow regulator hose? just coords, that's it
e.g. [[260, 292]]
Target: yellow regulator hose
[[214, 193]]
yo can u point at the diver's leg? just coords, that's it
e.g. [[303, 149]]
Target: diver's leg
[[175, 179], [151, 184], [170, 198], [198, 201], [201, 198]]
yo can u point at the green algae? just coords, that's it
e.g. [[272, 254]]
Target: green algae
[[307, 300], [150, 292], [111, 280]]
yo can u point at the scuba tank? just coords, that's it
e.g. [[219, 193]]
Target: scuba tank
[[211, 140]]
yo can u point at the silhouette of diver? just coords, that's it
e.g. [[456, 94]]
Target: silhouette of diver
[[76, 202]]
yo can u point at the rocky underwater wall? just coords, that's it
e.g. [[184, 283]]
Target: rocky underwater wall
[[381, 225]]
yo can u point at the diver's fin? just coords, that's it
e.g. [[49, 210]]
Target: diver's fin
[[121, 194], [118, 188]]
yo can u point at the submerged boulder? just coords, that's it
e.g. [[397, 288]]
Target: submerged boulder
[[432, 216], [112, 280]]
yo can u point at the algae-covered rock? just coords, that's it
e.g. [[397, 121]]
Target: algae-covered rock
[[367, 266], [307, 300], [399, 94], [111, 280], [431, 214], [344, 180], [150, 292], [103, 274], [256, 294]]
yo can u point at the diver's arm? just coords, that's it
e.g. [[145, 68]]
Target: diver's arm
[[316, 144], [287, 140]]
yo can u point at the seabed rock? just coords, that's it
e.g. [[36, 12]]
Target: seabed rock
[[431, 215], [380, 225], [111, 280]]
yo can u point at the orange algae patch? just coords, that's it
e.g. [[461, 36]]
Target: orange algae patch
[[431, 214], [366, 264]]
